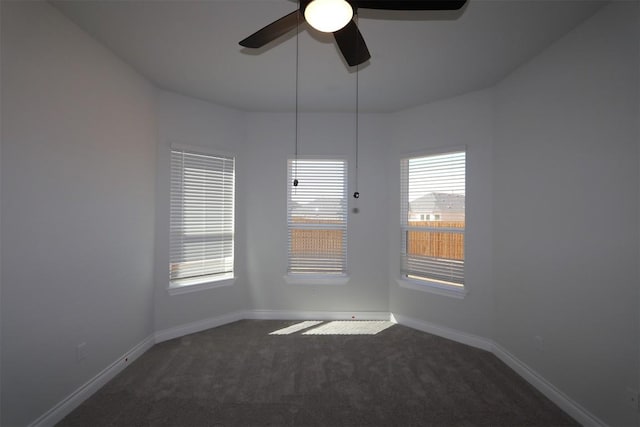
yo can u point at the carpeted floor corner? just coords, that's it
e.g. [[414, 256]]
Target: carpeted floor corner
[[243, 375]]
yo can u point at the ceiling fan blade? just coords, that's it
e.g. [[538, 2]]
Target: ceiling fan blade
[[352, 45], [410, 4], [273, 30]]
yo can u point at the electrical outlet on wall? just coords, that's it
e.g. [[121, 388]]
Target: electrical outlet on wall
[[631, 398], [539, 342], [81, 351]]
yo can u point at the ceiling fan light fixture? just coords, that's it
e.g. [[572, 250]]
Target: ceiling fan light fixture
[[328, 16]]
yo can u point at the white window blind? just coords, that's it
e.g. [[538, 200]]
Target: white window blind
[[433, 217], [317, 216], [202, 217]]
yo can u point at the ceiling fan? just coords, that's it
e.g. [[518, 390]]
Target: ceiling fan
[[336, 16]]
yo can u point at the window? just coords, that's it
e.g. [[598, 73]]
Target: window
[[202, 217], [433, 218], [317, 217]]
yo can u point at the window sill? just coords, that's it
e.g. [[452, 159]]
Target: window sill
[[178, 288], [316, 279], [433, 287]]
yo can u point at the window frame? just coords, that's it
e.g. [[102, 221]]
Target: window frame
[[318, 278], [425, 284], [215, 280]]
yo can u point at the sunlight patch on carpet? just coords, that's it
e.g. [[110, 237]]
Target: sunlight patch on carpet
[[297, 327], [350, 327]]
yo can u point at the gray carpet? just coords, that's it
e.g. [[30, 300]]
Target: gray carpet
[[240, 375]]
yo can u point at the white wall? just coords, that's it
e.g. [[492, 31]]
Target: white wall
[[183, 120], [270, 141], [638, 51], [565, 177], [463, 121], [1, 73], [78, 142], [552, 150]]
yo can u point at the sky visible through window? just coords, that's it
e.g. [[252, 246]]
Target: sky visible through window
[[438, 173]]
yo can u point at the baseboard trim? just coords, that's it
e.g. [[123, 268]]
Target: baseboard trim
[[59, 411], [82, 393], [444, 332], [198, 326], [316, 315], [554, 394], [213, 322]]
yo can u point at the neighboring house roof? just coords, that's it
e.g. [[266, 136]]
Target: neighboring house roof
[[438, 203]]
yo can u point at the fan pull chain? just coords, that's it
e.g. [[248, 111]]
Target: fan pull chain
[[295, 165], [356, 194]]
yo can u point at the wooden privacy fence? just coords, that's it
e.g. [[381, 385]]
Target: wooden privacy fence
[[306, 241], [436, 244]]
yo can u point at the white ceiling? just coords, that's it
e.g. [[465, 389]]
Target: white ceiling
[[191, 47]]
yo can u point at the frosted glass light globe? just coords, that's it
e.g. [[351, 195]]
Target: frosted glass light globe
[[328, 15]]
